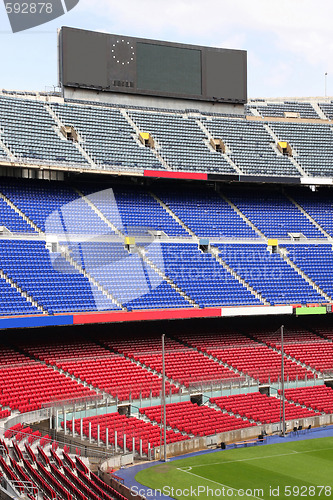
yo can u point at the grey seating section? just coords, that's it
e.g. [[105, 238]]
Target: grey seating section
[[327, 108], [248, 110], [305, 109], [251, 147], [3, 154], [107, 137], [29, 131], [312, 144], [182, 142]]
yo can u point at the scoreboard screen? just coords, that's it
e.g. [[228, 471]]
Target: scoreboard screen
[[116, 63]]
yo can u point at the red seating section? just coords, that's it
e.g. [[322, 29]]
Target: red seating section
[[182, 364], [131, 426], [53, 478], [325, 332], [196, 420], [304, 346], [18, 388], [319, 398], [261, 408], [4, 413], [101, 368], [246, 355]]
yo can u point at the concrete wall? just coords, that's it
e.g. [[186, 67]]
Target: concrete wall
[[121, 488], [203, 443], [152, 101], [117, 461]]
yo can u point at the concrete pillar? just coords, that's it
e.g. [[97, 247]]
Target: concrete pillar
[[98, 435], [115, 441], [73, 426], [81, 428], [140, 448], [124, 443], [107, 437], [89, 432]]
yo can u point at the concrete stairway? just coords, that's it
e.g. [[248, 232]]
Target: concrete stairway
[[78, 145], [283, 253], [173, 285], [308, 216], [25, 295], [173, 215], [155, 150], [215, 253]]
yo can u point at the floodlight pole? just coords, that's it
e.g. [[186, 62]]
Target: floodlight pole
[[282, 386], [163, 397]]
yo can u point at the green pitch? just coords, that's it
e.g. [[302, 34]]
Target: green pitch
[[301, 469]]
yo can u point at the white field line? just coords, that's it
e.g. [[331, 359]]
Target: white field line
[[216, 482], [254, 458]]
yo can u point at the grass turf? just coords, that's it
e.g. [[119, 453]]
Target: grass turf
[[290, 470]]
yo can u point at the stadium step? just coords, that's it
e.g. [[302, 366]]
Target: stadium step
[[151, 264], [173, 215], [78, 144], [250, 380], [284, 255], [308, 216], [142, 365], [242, 216], [319, 111], [291, 158], [65, 254], [5, 147], [21, 214], [227, 152], [235, 414], [138, 131], [99, 213], [215, 253], [26, 296]]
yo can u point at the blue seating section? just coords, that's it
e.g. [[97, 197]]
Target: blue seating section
[[205, 213], [269, 274], [317, 204], [200, 275], [130, 281], [12, 221], [126, 276], [49, 279], [12, 302], [107, 137], [29, 132], [54, 207], [316, 261], [272, 213], [132, 210]]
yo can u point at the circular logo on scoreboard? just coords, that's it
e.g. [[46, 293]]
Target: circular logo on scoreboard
[[122, 52]]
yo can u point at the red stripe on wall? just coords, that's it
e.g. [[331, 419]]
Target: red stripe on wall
[[176, 175], [120, 316]]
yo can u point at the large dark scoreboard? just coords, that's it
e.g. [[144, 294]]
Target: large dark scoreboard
[[115, 63]]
